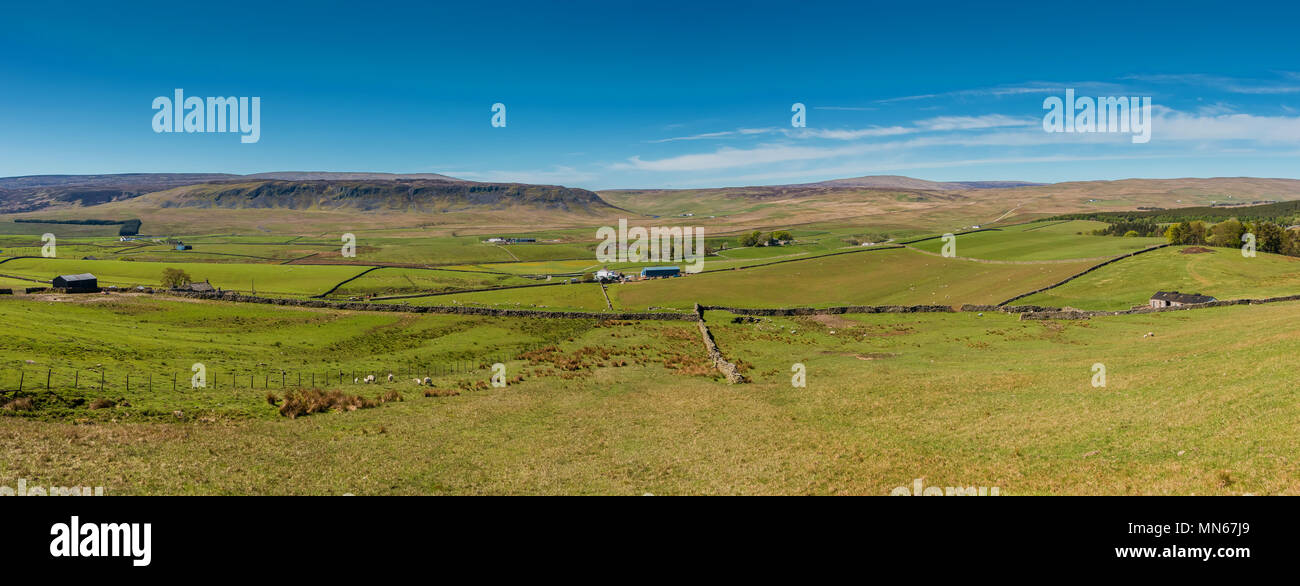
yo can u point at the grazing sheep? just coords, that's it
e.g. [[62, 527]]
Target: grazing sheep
[[415, 380], [390, 377], [428, 381], [356, 381]]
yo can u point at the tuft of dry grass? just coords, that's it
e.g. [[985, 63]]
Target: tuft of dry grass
[[20, 404], [441, 392], [102, 403], [306, 402]]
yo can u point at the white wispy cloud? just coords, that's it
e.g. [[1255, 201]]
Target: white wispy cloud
[[1029, 87], [936, 124], [846, 108], [1182, 126], [558, 175], [974, 122], [1168, 126], [1234, 85], [721, 134]]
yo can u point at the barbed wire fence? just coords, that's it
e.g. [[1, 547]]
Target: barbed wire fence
[[126, 380]]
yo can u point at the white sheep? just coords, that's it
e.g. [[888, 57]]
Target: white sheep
[[390, 377], [428, 381], [356, 381]]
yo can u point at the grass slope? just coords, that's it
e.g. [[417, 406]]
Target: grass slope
[[1042, 241], [1223, 273], [954, 399], [267, 278], [896, 276]]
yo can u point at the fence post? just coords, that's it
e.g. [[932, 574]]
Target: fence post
[[76, 380], [47, 378], [128, 383], [22, 375]]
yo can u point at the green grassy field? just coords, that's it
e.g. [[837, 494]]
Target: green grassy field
[[571, 297], [395, 281], [1222, 273], [1042, 241], [954, 399], [896, 276], [265, 278]]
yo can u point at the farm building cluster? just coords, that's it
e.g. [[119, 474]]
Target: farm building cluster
[[612, 276]]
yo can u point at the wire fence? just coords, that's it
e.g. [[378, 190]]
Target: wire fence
[[125, 381]]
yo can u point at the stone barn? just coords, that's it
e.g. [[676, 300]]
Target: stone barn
[[1174, 299], [83, 283]]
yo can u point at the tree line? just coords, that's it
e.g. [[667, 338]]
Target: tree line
[[128, 227], [757, 238], [1269, 237], [1284, 213]]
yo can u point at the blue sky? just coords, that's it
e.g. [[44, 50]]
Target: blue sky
[[653, 94]]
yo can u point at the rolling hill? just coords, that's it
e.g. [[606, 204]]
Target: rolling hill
[[889, 202]]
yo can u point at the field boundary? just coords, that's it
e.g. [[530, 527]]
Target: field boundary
[[461, 310], [457, 291], [924, 238], [1011, 262], [1045, 225], [608, 303], [791, 311], [346, 281], [1084, 272], [728, 369], [1063, 314], [806, 258]]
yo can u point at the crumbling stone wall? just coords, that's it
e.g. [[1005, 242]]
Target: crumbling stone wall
[[728, 369]]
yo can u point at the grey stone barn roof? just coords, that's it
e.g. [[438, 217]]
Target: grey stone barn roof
[[77, 278], [1177, 297]]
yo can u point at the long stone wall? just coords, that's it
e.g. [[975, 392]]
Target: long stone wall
[[720, 362], [1008, 308], [1054, 313], [461, 310], [831, 310], [1082, 273]]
